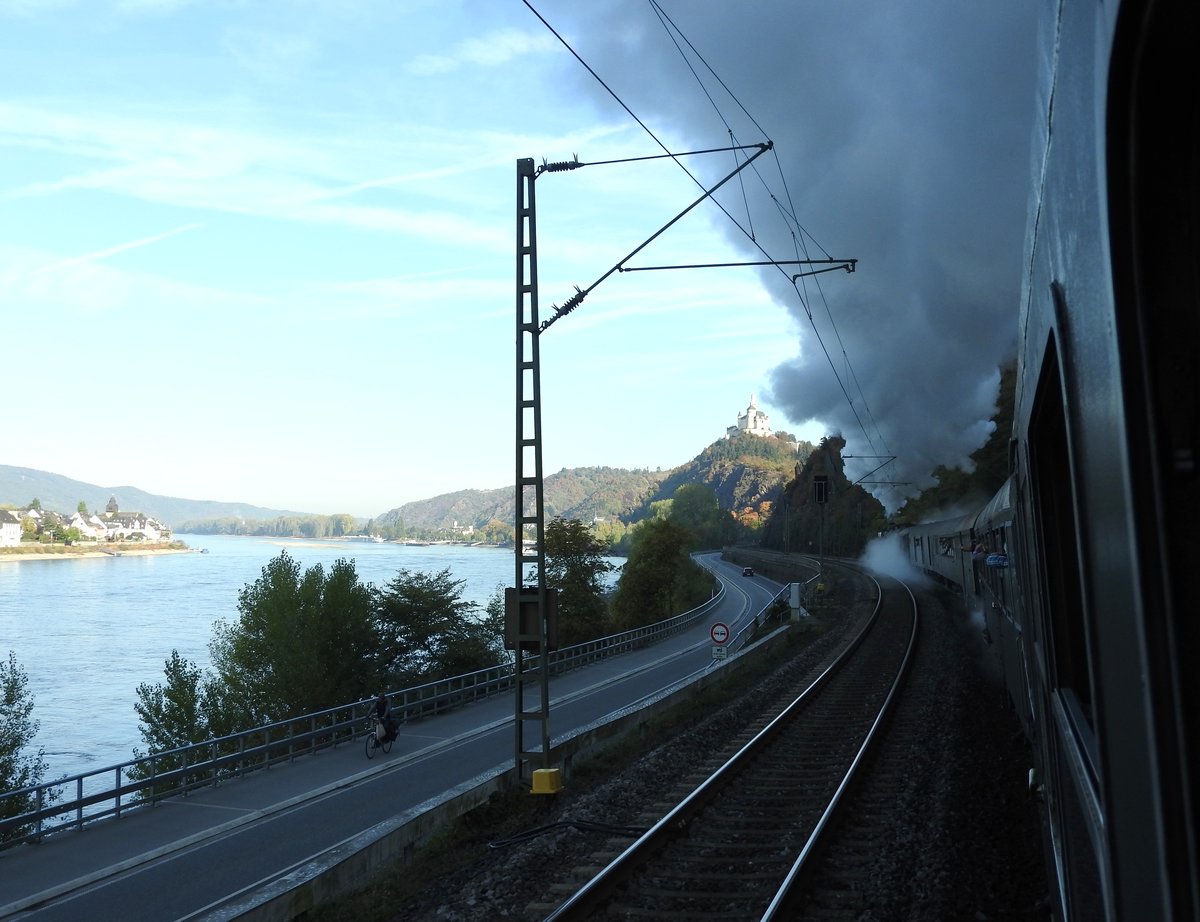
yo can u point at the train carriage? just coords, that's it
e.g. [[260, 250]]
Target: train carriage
[[1092, 536]]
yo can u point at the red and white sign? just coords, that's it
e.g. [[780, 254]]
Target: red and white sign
[[719, 632]]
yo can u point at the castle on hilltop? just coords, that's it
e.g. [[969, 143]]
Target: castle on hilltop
[[752, 422]]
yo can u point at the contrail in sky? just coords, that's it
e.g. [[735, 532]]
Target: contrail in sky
[[113, 250]]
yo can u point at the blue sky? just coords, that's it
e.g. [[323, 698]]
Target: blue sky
[[264, 252]]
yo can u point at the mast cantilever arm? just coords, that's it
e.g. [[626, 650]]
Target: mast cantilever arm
[[834, 264], [576, 299], [847, 264]]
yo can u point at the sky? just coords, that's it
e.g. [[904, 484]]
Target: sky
[[265, 252]]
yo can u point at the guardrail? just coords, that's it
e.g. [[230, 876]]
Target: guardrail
[[749, 629], [29, 813]]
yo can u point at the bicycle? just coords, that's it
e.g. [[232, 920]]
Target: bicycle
[[377, 737]]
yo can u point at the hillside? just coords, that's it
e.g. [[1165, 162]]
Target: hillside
[[20, 485], [746, 474], [578, 493]]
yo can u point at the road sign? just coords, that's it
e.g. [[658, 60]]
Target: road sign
[[719, 632], [720, 652]]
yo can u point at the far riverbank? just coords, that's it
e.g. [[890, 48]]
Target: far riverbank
[[77, 551]]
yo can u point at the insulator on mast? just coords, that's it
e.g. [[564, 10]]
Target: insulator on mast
[[569, 305], [561, 165]]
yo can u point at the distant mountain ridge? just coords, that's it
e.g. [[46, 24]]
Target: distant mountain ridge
[[575, 493], [747, 473], [20, 485]]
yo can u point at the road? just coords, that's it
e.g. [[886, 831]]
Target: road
[[177, 859]]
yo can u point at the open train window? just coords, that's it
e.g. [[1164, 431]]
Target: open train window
[[1053, 501]]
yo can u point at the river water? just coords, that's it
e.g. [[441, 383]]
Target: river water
[[88, 631]]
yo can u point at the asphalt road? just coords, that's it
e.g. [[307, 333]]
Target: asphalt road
[[175, 860]]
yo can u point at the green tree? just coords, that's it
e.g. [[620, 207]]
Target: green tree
[[18, 767], [611, 532], [35, 503], [342, 524], [659, 580], [301, 643], [694, 508], [494, 617], [427, 631], [497, 532], [575, 567], [180, 711], [82, 507]]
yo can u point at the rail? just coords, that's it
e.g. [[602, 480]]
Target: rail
[[862, 710], [28, 813]]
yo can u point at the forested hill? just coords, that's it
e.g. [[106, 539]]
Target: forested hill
[[747, 474], [21, 485], [744, 473], [573, 493]]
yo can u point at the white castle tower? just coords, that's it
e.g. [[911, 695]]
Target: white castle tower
[[752, 422]]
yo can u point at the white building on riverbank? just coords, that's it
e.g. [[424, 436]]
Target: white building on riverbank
[[10, 529]]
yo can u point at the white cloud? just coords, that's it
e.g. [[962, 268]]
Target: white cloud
[[492, 50]]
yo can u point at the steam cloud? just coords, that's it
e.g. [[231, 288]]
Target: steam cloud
[[902, 131]]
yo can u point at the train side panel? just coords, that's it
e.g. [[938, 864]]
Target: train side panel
[[1108, 676]]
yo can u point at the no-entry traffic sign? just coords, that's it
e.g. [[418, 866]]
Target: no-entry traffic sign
[[719, 632]]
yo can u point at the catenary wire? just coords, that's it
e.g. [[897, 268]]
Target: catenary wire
[[664, 19]]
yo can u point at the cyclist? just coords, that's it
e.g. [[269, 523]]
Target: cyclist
[[383, 713]]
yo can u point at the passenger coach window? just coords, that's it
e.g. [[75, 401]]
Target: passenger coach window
[[1050, 471]]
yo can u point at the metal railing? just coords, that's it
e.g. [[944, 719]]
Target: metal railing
[[29, 813], [751, 627]]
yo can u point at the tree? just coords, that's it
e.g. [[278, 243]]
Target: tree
[[341, 524], [82, 507], [181, 711], [300, 644], [659, 579], [575, 567], [494, 617], [18, 768], [497, 532], [35, 503], [427, 631], [694, 507]]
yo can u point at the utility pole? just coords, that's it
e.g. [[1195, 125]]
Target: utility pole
[[531, 608], [526, 605]]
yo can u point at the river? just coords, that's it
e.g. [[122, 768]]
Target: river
[[88, 631]]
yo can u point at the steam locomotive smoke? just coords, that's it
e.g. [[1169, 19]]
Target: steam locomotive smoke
[[903, 135]]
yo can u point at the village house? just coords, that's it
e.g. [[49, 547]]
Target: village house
[[130, 526], [10, 528], [112, 525]]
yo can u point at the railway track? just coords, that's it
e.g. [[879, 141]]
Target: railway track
[[737, 846]]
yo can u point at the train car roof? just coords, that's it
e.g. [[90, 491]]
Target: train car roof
[[960, 523], [1000, 507]]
